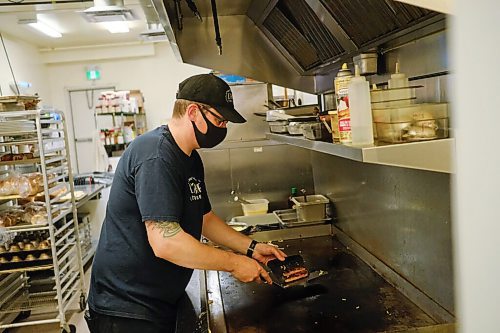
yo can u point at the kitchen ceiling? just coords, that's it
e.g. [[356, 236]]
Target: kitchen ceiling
[[65, 18]]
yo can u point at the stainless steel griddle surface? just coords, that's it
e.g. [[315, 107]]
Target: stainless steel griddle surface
[[351, 298]]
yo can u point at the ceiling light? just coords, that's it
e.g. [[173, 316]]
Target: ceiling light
[[118, 27], [42, 27]]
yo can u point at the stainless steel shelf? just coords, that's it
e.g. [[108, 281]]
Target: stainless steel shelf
[[89, 254], [27, 269], [65, 248], [91, 191], [434, 155]]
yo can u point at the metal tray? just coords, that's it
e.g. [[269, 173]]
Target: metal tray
[[288, 218]]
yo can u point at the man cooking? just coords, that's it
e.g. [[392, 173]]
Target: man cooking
[[157, 211]]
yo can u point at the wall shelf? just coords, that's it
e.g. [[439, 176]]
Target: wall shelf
[[434, 155]]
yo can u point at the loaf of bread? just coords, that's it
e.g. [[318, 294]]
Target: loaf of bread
[[11, 217], [14, 183]]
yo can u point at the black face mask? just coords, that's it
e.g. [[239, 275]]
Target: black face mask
[[213, 137]]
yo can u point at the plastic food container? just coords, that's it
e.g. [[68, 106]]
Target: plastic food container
[[255, 207], [294, 128], [417, 122], [316, 131], [279, 127], [395, 94], [367, 63], [312, 209], [412, 131]]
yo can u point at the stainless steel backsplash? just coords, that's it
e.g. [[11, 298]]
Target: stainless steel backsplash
[[402, 216]]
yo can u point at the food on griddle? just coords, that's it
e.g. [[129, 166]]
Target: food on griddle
[[294, 274]]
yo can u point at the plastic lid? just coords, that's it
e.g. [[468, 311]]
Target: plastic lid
[[344, 71], [397, 74]]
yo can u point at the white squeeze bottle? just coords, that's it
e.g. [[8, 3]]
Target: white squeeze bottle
[[398, 80], [361, 111]]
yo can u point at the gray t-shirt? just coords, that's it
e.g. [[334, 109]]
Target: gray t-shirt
[[154, 180]]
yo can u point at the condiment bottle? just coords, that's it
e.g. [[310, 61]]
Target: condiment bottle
[[360, 109], [293, 193], [398, 80], [342, 115]]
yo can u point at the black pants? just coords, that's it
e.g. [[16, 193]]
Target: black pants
[[99, 323]]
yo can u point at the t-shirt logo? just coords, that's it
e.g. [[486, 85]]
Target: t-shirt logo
[[195, 189], [229, 96]]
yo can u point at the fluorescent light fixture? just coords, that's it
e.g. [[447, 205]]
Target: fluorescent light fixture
[[117, 27], [46, 29]]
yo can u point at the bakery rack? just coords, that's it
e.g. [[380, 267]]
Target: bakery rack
[[44, 279]]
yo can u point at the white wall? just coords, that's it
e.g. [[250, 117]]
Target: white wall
[[156, 76], [476, 186], [27, 66]]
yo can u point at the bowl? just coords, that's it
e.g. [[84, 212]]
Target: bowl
[[3, 260], [30, 257], [44, 256], [28, 247]]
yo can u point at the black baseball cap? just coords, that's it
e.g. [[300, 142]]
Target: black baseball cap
[[210, 90]]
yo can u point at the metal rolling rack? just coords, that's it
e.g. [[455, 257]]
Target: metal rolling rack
[[62, 284]]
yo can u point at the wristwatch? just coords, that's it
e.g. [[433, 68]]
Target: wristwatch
[[251, 248]]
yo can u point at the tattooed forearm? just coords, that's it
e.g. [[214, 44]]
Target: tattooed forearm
[[167, 228]]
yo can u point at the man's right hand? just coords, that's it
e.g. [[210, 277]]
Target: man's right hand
[[248, 270]]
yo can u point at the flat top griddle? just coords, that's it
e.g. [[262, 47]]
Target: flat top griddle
[[351, 298]]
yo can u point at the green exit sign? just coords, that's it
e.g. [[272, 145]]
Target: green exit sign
[[93, 74]]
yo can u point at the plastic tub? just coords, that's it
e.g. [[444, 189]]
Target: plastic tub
[[412, 131], [396, 94], [313, 209], [410, 113], [255, 207]]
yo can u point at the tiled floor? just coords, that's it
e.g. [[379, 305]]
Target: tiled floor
[[76, 319]]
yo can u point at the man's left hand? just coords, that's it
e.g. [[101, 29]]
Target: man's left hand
[[264, 253]]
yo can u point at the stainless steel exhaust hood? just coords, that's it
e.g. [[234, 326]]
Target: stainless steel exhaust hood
[[293, 43]]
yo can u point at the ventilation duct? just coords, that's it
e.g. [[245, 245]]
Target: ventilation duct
[[108, 11]]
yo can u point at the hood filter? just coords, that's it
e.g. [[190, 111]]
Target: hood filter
[[367, 20], [295, 26]]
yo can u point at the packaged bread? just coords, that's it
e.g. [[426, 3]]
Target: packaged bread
[[14, 183], [35, 213], [11, 217]]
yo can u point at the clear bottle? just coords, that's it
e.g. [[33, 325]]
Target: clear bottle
[[360, 109]]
